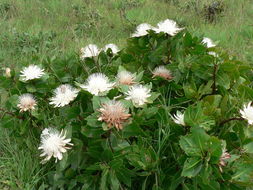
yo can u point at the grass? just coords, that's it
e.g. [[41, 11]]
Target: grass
[[20, 166], [32, 30], [58, 26]]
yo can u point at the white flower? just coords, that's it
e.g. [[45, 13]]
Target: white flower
[[114, 114], [163, 72], [125, 77], [178, 118], [113, 47], [26, 102], [63, 95], [53, 144], [247, 113], [31, 72], [208, 42], [213, 53], [90, 50], [168, 26], [97, 84], [138, 94], [142, 30]]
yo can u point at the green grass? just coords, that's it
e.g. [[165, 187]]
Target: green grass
[[44, 28], [32, 30], [20, 166]]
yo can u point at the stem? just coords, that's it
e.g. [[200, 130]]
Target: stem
[[110, 143], [214, 79], [231, 119], [12, 114]]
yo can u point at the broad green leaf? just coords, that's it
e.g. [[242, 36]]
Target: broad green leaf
[[243, 172], [195, 144], [103, 182], [215, 150], [188, 144], [223, 80], [248, 147], [115, 184], [192, 167], [195, 117]]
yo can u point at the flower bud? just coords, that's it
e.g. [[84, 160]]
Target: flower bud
[[8, 72]]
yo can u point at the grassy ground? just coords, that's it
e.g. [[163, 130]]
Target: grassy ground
[[34, 29]]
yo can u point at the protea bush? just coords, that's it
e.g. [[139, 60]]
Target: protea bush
[[168, 111]]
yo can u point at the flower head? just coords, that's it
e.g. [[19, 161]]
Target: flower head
[[178, 118], [63, 95], [138, 94], [168, 26], [142, 30], [8, 72], [163, 72], [247, 113], [223, 159], [114, 114], [90, 50], [113, 47], [208, 42], [97, 84], [31, 72], [53, 144], [125, 77], [26, 102]]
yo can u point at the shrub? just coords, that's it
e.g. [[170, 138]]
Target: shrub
[[167, 113]]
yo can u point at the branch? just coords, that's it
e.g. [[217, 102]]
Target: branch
[[231, 119], [12, 114]]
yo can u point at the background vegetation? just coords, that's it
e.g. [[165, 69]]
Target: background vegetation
[[32, 30]]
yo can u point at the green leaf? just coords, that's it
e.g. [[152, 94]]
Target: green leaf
[[243, 172], [215, 149], [196, 143], [139, 76], [248, 147], [96, 102], [195, 117], [223, 80], [103, 183], [192, 167], [115, 184], [92, 120], [188, 144], [12, 102]]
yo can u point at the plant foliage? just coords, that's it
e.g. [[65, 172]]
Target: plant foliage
[[151, 151]]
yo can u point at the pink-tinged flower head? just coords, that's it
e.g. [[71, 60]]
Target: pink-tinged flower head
[[223, 159], [26, 102], [163, 72], [125, 77], [114, 114], [8, 72]]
